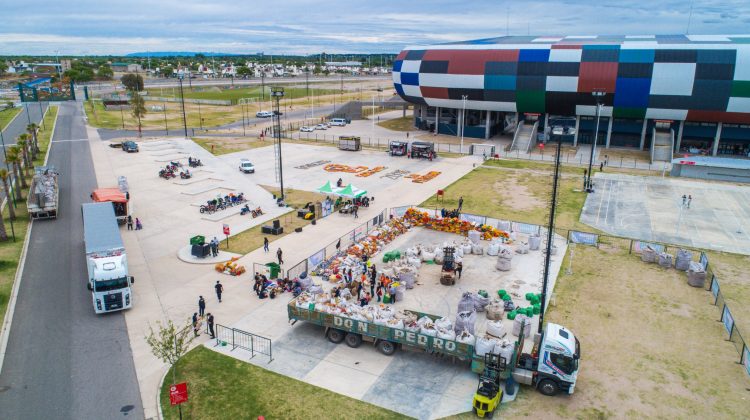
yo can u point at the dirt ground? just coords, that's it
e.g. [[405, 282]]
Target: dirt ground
[[650, 345]]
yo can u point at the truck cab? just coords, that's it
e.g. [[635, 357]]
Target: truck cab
[[553, 366], [109, 283]]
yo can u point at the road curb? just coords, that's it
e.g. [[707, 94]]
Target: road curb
[[8, 320]]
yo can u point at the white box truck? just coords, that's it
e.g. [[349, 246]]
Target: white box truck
[[106, 261]]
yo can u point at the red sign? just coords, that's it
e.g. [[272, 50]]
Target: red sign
[[178, 393], [226, 229], [687, 162]]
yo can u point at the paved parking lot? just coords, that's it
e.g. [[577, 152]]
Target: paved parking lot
[[650, 209]]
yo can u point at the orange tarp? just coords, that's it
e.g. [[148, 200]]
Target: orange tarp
[[109, 194]]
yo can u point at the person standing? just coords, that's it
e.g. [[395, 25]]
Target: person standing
[[355, 210], [393, 293], [380, 291], [211, 325], [459, 268], [279, 255], [219, 290], [460, 203], [265, 244], [138, 225], [601, 166], [690, 198], [196, 326], [201, 306], [130, 222], [684, 200]]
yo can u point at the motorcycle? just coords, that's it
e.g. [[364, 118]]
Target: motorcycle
[[208, 208], [257, 212], [166, 174], [194, 163], [244, 210], [186, 175]]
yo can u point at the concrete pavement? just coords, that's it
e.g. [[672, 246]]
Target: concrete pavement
[[62, 360]]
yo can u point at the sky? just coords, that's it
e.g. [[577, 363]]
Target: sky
[[101, 27]]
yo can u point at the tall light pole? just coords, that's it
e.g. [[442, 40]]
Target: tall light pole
[[598, 95], [277, 93], [182, 101], [463, 120]]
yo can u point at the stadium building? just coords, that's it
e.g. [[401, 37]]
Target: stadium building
[[687, 93]]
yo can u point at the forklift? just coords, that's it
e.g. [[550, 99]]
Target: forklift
[[448, 271], [489, 394]]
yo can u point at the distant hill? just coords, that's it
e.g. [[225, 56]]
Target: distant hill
[[180, 54]]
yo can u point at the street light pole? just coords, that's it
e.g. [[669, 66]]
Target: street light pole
[[277, 93], [598, 94], [463, 121], [182, 101]]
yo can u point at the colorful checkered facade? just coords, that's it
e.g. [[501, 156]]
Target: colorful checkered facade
[[693, 78]]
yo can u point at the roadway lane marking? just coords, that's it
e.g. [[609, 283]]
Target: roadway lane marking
[[66, 141]]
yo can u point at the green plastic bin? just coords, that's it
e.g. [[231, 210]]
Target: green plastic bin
[[198, 240], [274, 269]]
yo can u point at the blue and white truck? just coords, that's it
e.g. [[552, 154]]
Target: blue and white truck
[[106, 260]]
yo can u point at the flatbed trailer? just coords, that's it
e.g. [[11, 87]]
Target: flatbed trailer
[[42, 202]]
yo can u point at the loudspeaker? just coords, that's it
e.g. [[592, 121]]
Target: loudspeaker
[[276, 224], [298, 230]]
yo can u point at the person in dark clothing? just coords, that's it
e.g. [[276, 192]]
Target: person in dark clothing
[[460, 203], [201, 306], [380, 291], [459, 269], [355, 209], [265, 244], [351, 276], [130, 222], [196, 326], [211, 325], [601, 166], [219, 290], [278, 255], [338, 245]]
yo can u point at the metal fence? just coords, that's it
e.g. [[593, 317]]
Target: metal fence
[[238, 339], [725, 316]]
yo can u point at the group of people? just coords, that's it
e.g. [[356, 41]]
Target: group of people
[[380, 288], [138, 225], [198, 317], [265, 288], [214, 244], [686, 200]]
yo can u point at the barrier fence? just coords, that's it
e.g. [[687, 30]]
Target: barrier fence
[[725, 316], [244, 340]]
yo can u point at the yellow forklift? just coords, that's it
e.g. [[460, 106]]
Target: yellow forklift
[[489, 393]]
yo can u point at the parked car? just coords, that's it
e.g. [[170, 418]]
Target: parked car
[[246, 166], [321, 127], [129, 146], [306, 129], [338, 122], [278, 113], [264, 114]]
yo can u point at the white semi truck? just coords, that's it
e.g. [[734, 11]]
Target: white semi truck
[[106, 261]]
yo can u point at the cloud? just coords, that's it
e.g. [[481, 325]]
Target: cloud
[[336, 26]]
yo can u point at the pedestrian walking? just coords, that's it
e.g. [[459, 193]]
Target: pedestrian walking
[[684, 200], [407, 134], [459, 268], [138, 225], [601, 166], [379, 291], [279, 256], [130, 222], [196, 324], [265, 244], [460, 203], [201, 306], [219, 290], [606, 160], [690, 198], [355, 209], [211, 325]]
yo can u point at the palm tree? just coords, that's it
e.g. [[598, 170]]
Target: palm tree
[[14, 158], [32, 129], [4, 175], [3, 233], [23, 142]]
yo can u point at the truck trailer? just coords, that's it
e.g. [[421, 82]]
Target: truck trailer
[[120, 201], [43, 194], [106, 260], [551, 367]]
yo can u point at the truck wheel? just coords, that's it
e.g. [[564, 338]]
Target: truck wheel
[[353, 340], [548, 387], [489, 414], [386, 347], [335, 336]]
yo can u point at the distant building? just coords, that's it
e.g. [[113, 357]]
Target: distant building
[[126, 67]]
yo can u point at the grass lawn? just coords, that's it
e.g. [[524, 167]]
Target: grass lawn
[[296, 198], [399, 124], [252, 239], [221, 387], [214, 93], [515, 194], [154, 120], [731, 270], [10, 251], [7, 115], [225, 145]]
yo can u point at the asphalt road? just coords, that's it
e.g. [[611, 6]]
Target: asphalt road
[[63, 361], [107, 134]]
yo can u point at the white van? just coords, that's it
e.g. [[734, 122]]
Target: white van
[[264, 114], [246, 166], [338, 122]]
